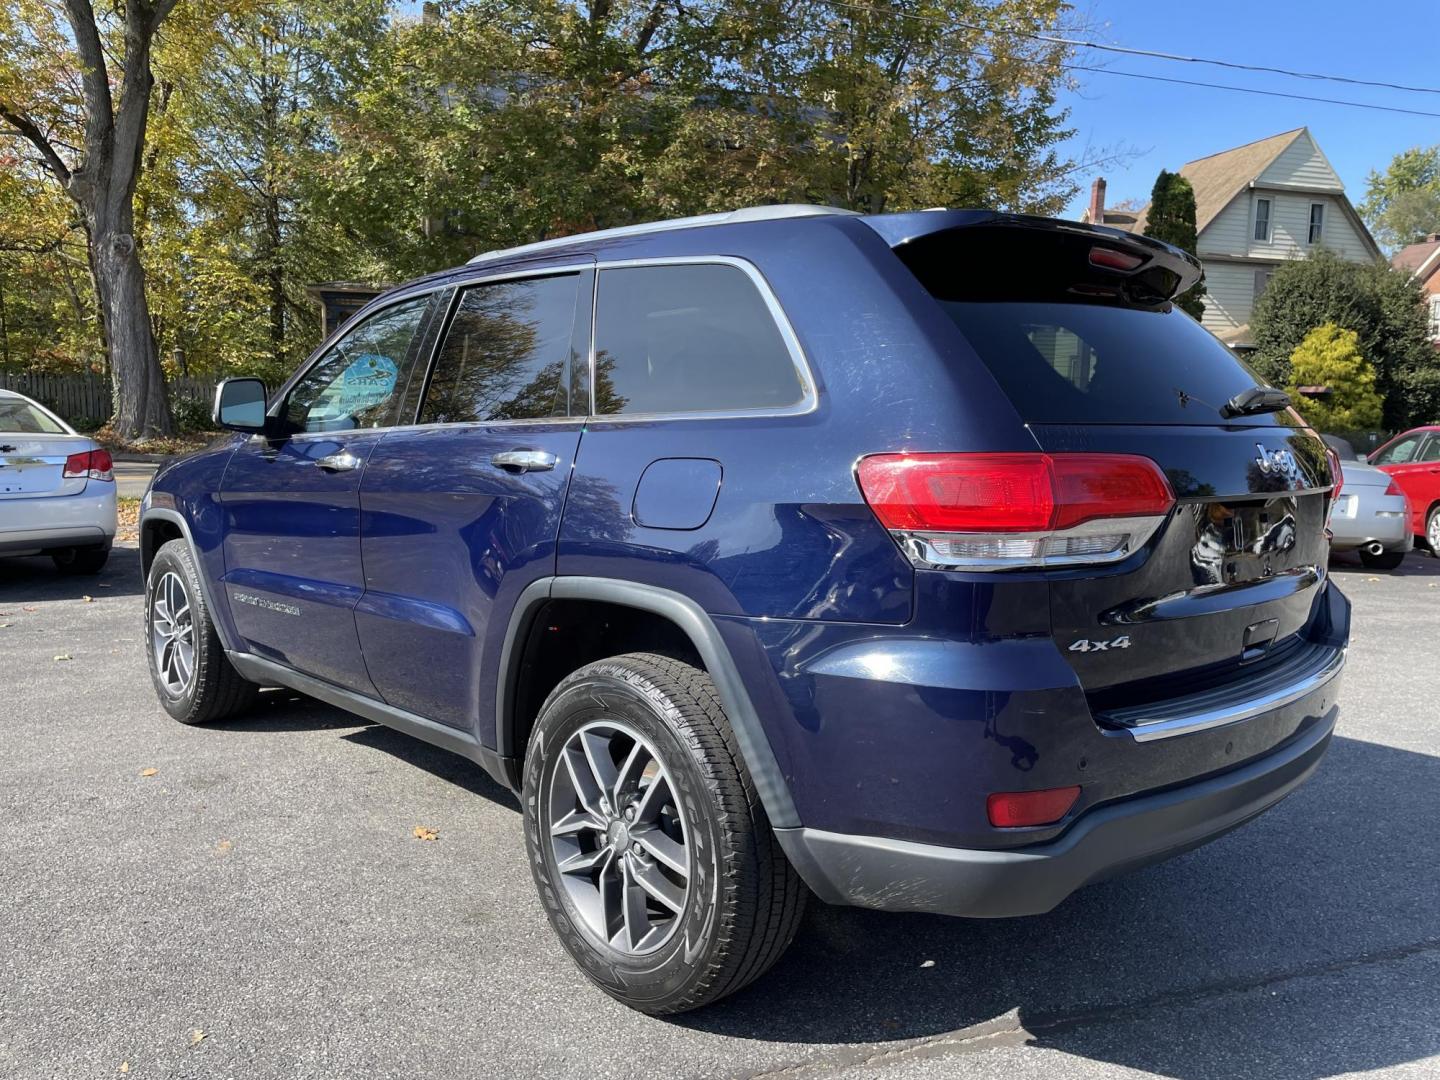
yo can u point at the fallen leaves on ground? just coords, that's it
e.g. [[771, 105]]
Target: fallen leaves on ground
[[197, 1037], [424, 832], [87, 599], [224, 846], [63, 656], [124, 1066], [148, 772]]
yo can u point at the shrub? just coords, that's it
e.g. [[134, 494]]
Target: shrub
[[1330, 356]]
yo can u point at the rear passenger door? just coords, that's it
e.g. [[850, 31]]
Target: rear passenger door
[[460, 512]]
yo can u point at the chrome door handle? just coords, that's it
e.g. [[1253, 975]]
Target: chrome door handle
[[525, 460], [340, 461]]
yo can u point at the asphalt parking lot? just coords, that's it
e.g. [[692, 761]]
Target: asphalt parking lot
[[258, 906]]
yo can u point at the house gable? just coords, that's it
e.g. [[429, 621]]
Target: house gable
[[1301, 165]]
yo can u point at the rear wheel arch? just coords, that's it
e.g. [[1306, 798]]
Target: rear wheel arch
[[673, 624]]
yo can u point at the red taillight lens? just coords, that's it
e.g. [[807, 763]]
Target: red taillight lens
[[1393, 488], [1336, 472], [1016, 809], [1111, 259], [95, 464], [983, 493]]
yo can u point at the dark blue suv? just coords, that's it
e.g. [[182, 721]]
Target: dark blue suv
[[928, 562]]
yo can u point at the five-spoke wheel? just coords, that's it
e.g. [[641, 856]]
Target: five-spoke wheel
[[618, 837], [172, 634]]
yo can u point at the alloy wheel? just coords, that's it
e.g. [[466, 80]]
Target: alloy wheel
[[619, 837], [172, 634], [1432, 532]]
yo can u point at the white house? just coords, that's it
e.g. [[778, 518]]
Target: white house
[[1255, 207]]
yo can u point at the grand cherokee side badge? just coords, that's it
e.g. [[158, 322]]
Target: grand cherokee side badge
[[1085, 645]]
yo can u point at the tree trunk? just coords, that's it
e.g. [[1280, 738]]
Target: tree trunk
[[141, 408]]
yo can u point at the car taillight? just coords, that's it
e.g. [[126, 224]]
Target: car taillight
[[1003, 511], [95, 464], [1015, 809], [1337, 473], [1393, 488]]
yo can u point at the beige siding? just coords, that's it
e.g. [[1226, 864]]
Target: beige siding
[[1228, 232], [1302, 165], [1290, 227], [1229, 295]]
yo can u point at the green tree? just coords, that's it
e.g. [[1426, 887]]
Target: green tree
[[1171, 218], [1330, 357], [79, 94], [1402, 204], [1384, 308]]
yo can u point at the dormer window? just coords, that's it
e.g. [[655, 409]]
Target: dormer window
[[1262, 220], [1317, 221]]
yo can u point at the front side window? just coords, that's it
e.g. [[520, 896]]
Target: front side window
[[688, 338], [506, 353], [1430, 451], [26, 419], [360, 380], [1262, 220], [1317, 221], [1399, 452]]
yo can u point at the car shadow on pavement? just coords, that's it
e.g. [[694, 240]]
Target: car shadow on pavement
[[1417, 564], [1339, 879], [34, 578]]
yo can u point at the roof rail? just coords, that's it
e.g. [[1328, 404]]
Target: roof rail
[[748, 213]]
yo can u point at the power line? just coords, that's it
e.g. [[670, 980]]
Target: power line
[[1251, 90], [1126, 50]]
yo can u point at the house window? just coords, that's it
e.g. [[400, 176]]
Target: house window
[[1262, 282], [1262, 220], [1317, 221], [1435, 318]]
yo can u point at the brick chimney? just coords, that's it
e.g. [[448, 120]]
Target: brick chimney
[[1097, 201]]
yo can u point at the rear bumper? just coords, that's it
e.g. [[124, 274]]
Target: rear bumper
[[44, 524], [899, 875], [1383, 519]]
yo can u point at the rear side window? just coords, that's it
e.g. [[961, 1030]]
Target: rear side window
[[1078, 363], [505, 354], [21, 416], [683, 339]]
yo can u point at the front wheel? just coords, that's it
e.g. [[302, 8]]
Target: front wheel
[[193, 678], [654, 860], [1432, 531]]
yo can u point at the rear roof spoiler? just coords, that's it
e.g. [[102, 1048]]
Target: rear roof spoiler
[[906, 232]]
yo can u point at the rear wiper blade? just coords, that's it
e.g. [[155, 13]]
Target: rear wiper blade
[[1257, 399]]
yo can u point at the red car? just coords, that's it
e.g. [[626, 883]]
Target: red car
[[1413, 459]]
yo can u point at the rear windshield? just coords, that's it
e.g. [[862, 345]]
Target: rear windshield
[[23, 417], [1079, 363]]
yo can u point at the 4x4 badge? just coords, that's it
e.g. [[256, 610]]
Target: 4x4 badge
[[1085, 645]]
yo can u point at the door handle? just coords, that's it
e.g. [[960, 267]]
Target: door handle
[[340, 461], [525, 460]]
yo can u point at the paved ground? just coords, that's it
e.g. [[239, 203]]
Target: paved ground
[[133, 477], [263, 888]]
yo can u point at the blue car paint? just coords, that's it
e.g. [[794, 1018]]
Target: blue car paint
[[892, 698]]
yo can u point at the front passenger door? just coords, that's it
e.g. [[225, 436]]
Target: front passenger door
[[292, 506]]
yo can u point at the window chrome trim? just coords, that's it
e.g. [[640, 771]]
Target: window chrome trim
[[1168, 724], [809, 388]]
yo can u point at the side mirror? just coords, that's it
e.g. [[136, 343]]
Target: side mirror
[[240, 405]]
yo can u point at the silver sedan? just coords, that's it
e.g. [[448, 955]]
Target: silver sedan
[[1371, 516], [57, 490]]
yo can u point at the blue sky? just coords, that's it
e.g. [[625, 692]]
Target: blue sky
[[1167, 125]]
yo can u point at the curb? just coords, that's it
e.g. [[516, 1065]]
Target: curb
[[148, 459]]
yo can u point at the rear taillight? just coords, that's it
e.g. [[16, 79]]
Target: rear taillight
[[1336, 473], [1003, 511], [94, 464], [1393, 488], [1016, 809]]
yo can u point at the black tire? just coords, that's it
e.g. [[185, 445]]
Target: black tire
[[78, 561], [213, 690], [1432, 530], [1386, 560], [744, 901]]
